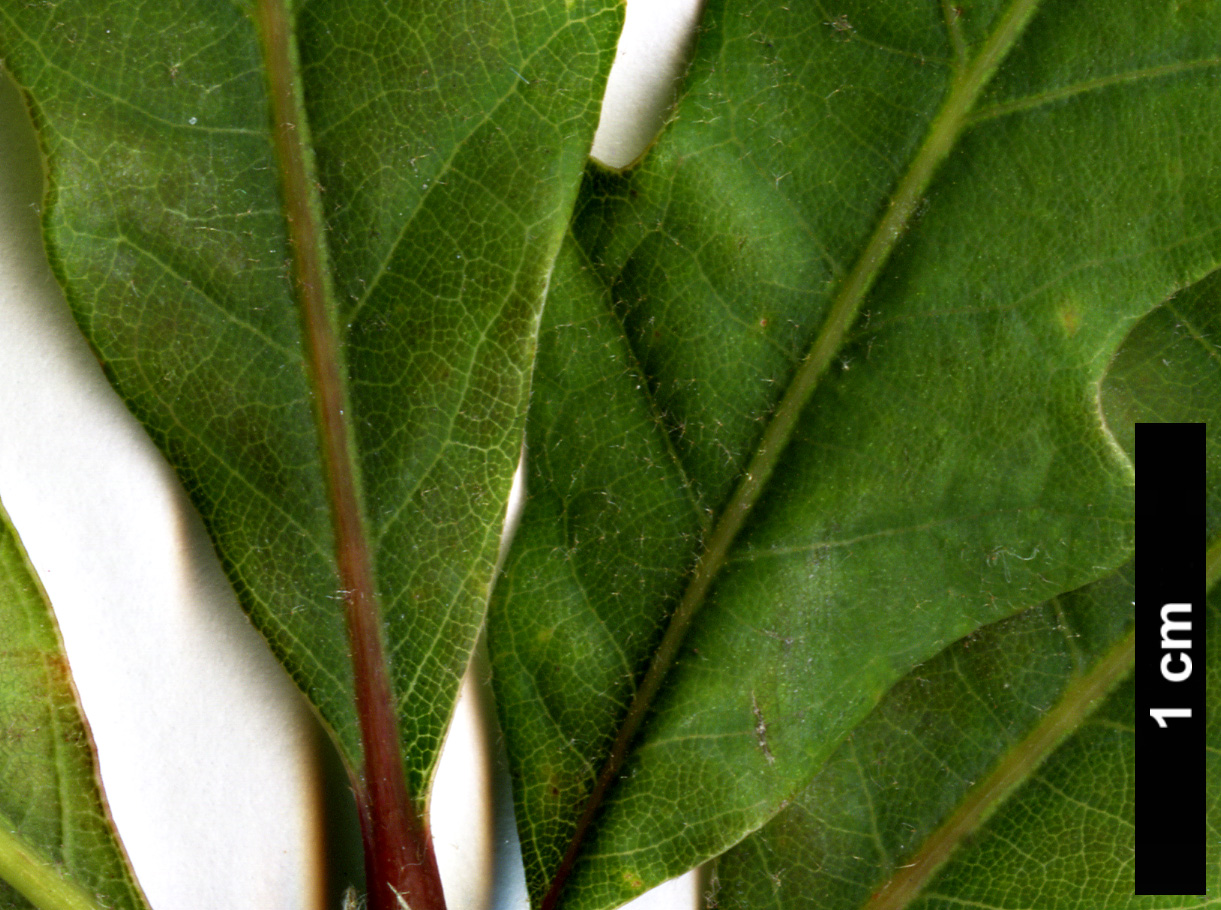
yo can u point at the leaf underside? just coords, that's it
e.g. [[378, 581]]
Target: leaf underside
[[1065, 838], [871, 815], [445, 144], [952, 467], [57, 842]]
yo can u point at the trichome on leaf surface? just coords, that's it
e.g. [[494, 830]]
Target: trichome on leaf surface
[[824, 571]]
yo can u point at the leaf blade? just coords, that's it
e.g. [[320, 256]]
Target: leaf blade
[[948, 123], [1166, 370], [58, 846], [886, 505], [873, 830], [166, 223]]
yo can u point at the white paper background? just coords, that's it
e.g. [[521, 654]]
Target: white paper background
[[209, 756]]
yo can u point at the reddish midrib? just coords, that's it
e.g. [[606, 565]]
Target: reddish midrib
[[399, 858]]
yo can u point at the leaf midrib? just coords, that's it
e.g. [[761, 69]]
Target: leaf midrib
[[311, 279], [43, 883], [1077, 702], [949, 123], [399, 859]]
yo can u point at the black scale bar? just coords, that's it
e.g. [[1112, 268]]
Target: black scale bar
[[1170, 674]]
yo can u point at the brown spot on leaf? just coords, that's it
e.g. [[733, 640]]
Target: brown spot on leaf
[[1069, 317]]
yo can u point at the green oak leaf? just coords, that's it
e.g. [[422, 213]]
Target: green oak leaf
[[1169, 371], [309, 242], [1066, 840], [58, 846], [945, 746], [981, 717], [817, 395]]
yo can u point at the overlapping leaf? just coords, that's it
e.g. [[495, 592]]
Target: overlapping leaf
[[873, 827], [1169, 371], [446, 142], [870, 830], [951, 468], [58, 846], [1067, 840], [913, 780]]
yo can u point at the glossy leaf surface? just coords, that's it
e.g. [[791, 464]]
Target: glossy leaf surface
[[58, 847], [950, 468], [423, 161]]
